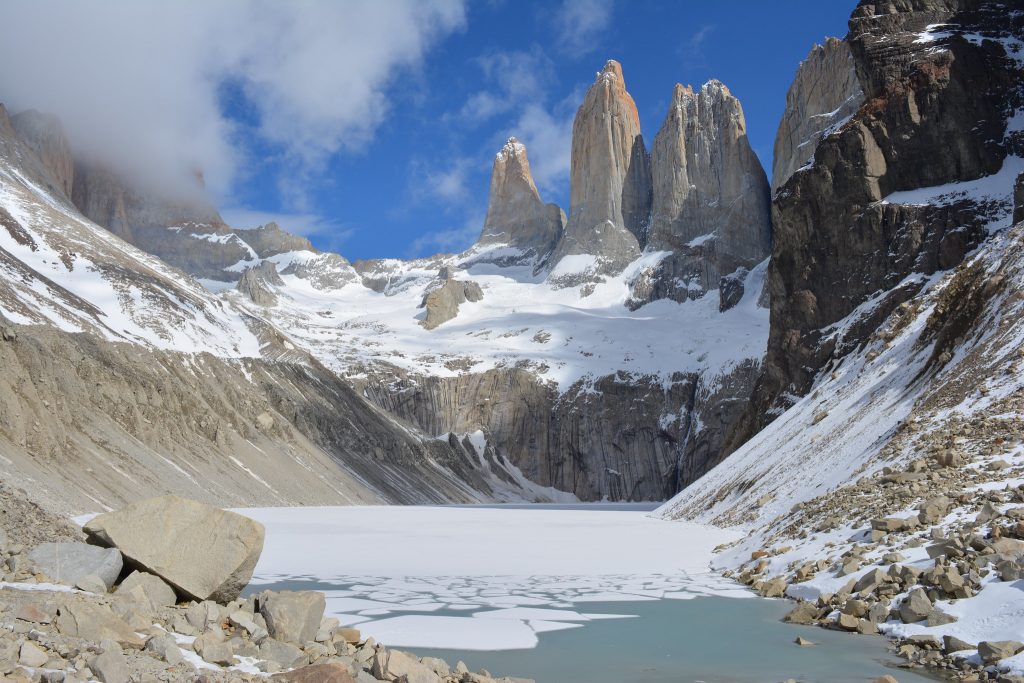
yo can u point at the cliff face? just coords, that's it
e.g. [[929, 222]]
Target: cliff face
[[515, 213], [850, 228], [710, 199], [616, 438], [610, 178], [45, 136], [824, 93]]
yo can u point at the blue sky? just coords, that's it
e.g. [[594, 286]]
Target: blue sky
[[370, 126]]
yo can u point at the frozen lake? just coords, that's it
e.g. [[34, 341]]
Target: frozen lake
[[586, 593]]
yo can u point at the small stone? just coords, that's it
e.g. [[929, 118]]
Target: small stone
[[848, 622], [802, 642], [954, 644], [939, 618], [991, 651], [285, 654], [92, 584], [31, 655], [166, 648], [886, 679], [111, 666], [804, 613], [915, 607], [330, 672], [292, 616], [152, 588], [349, 635]]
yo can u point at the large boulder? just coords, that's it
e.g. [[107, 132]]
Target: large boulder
[[292, 616], [204, 552], [71, 562]]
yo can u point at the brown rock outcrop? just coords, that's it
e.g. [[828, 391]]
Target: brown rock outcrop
[[610, 177], [515, 213]]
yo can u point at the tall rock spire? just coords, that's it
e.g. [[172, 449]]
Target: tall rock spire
[[515, 213], [610, 178], [711, 196]]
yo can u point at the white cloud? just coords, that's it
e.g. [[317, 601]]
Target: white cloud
[[514, 78], [445, 184], [548, 140], [580, 22], [142, 84]]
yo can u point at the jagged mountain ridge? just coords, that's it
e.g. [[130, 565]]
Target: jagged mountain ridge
[[585, 404]]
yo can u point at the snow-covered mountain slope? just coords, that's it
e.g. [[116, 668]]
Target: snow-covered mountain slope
[[563, 334], [60, 269]]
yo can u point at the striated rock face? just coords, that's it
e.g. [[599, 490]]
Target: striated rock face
[[710, 203], [610, 177], [515, 213], [45, 136], [824, 93], [937, 102], [617, 438]]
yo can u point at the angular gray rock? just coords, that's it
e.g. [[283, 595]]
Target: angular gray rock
[[915, 607], [32, 655], [824, 92], [711, 203], [515, 213], [148, 590], [442, 303], [394, 664], [610, 177], [204, 552], [256, 283], [69, 563], [96, 623], [111, 666], [166, 647], [285, 654], [292, 616], [991, 651]]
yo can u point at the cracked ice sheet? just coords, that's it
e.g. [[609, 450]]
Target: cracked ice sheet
[[483, 578]]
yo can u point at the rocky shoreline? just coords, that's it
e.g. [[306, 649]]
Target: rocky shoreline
[[161, 603], [966, 513]]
